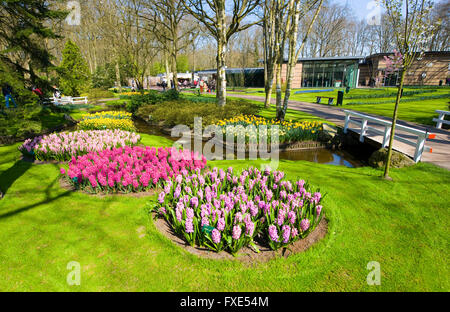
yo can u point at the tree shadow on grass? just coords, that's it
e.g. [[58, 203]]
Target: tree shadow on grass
[[8, 177], [48, 199]]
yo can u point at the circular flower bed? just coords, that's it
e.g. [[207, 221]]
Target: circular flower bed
[[65, 145], [130, 169], [223, 211]]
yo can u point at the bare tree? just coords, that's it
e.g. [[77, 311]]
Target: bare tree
[[165, 19], [440, 39], [281, 30], [300, 10], [213, 15], [412, 29]]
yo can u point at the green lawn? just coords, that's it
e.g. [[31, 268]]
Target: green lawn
[[18, 122], [403, 225], [418, 107]]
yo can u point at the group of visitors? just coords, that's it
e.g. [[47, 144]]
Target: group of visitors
[[202, 85], [8, 93], [206, 86]]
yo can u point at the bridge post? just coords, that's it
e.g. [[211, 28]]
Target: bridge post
[[347, 121], [387, 134], [363, 130], [441, 117], [419, 148]]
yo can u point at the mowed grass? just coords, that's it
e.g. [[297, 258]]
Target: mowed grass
[[419, 108], [403, 225]]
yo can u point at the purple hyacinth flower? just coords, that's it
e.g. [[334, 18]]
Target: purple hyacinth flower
[[236, 232], [273, 233], [216, 236], [304, 225]]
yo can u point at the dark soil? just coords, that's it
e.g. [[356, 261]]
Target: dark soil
[[246, 255]]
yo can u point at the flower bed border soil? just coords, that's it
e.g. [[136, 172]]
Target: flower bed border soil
[[282, 147], [246, 255]]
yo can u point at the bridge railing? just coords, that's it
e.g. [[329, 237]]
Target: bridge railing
[[364, 127], [441, 120], [70, 100]]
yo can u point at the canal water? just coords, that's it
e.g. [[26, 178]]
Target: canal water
[[318, 155]]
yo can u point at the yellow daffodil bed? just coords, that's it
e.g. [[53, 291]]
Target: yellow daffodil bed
[[107, 120], [288, 131]]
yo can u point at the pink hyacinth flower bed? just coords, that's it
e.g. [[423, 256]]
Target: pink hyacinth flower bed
[[65, 145], [223, 211], [130, 169]]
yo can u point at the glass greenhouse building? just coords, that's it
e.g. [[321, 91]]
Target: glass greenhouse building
[[330, 72]]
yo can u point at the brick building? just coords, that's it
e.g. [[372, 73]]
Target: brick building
[[359, 71], [432, 69]]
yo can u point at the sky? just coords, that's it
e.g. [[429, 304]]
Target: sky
[[362, 8], [359, 7]]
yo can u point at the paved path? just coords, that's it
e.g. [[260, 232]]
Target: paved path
[[440, 146]]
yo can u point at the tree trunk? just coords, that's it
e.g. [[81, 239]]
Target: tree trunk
[[268, 81], [174, 70], [174, 34], [279, 91], [268, 84], [394, 120], [221, 95], [294, 53], [118, 80], [166, 61], [292, 62], [268, 89]]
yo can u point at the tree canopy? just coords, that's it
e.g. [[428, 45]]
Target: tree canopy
[[73, 70]]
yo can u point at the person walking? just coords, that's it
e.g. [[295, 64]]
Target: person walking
[[7, 92]]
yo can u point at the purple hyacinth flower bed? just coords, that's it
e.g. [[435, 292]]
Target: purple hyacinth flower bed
[[65, 145], [130, 169], [221, 210]]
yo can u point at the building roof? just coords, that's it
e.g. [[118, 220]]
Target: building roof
[[326, 58], [390, 53], [329, 58], [230, 70]]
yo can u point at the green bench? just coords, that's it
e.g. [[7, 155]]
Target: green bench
[[319, 99]]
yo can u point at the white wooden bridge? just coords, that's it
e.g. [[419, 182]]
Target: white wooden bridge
[[380, 130], [69, 100]]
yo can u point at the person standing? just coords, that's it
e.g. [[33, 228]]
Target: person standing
[[57, 93], [7, 92], [201, 86], [212, 85]]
